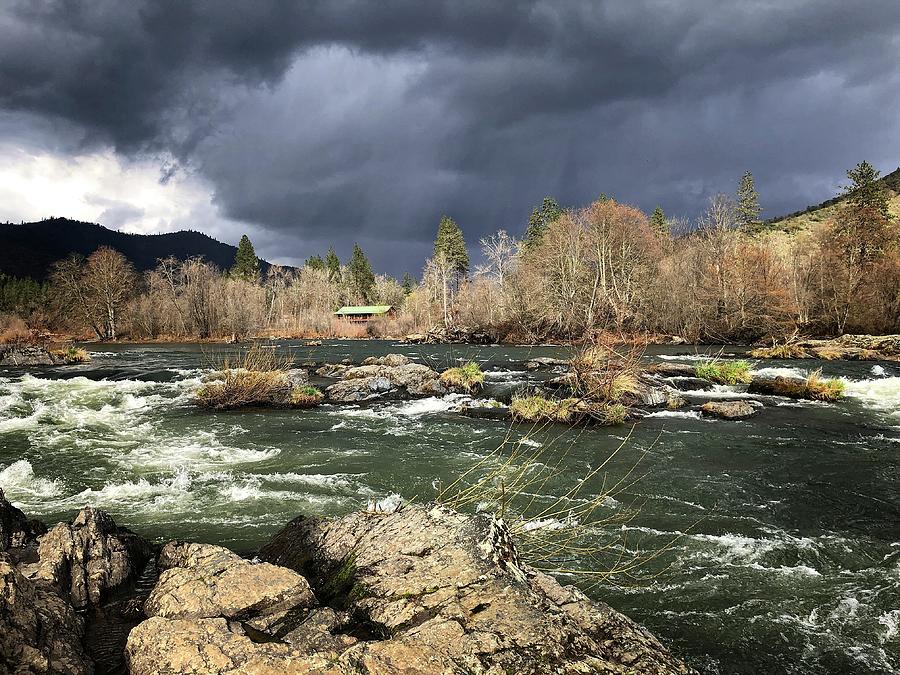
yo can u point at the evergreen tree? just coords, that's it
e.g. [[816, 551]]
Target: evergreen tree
[[333, 265], [865, 191], [658, 221], [748, 208], [540, 220], [246, 264], [408, 283], [362, 279], [450, 242], [315, 263]]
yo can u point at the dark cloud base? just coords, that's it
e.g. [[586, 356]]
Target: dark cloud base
[[358, 121]]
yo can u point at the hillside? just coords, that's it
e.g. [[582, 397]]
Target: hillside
[[821, 213], [30, 249]]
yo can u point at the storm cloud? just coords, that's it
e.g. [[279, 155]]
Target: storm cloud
[[318, 123]]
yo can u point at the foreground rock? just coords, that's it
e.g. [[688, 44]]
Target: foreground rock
[[200, 581], [16, 530], [846, 347], [730, 410], [89, 557], [392, 376], [452, 595], [423, 590], [39, 631]]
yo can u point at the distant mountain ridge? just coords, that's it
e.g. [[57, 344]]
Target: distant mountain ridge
[[30, 249]]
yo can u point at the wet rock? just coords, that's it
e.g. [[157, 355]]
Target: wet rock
[[672, 370], [332, 370], [392, 360], [690, 383], [39, 630], [200, 581], [90, 556], [730, 410], [25, 355], [297, 377], [362, 383], [16, 530], [442, 592], [542, 362]]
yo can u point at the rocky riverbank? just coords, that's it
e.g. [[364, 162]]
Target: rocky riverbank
[[422, 589]]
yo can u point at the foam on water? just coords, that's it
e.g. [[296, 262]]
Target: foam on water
[[677, 414], [882, 393], [19, 482], [780, 371]]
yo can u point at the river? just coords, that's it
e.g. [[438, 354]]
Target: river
[[781, 533]]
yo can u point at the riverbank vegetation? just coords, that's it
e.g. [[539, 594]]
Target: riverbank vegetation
[[725, 277], [468, 377]]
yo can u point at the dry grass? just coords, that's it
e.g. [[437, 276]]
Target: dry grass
[[14, 331], [828, 353], [813, 387], [823, 389], [258, 378], [71, 355], [606, 371], [536, 408], [468, 377], [579, 532], [788, 350], [306, 397]]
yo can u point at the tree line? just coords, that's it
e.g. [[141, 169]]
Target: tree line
[[605, 266]]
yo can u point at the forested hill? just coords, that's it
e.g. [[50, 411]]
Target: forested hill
[[801, 220], [30, 249]]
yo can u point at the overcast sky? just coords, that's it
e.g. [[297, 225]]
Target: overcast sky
[[313, 123]]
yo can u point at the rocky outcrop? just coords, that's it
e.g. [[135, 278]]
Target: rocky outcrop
[[392, 360], [446, 593], [39, 630], [459, 335], [542, 362], [16, 530], [199, 581], [25, 355], [672, 369], [421, 590], [731, 410], [381, 380], [846, 347], [89, 557]]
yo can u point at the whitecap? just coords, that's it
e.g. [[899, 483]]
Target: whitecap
[[18, 481], [679, 414]]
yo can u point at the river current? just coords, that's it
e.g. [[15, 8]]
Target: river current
[[781, 533]]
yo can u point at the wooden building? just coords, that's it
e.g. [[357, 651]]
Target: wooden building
[[365, 313]]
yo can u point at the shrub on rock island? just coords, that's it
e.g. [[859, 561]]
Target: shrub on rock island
[[468, 377]]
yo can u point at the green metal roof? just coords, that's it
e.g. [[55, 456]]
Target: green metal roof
[[365, 309]]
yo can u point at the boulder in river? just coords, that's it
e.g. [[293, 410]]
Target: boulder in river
[[541, 362], [731, 410], [378, 380], [90, 556]]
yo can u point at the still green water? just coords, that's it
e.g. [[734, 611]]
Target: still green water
[[789, 559]]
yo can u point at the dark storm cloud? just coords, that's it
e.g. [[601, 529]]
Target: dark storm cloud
[[342, 121]]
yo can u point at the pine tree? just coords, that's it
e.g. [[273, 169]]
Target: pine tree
[[333, 265], [658, 221], [246, 264], [450, 241], [362, 279], [408, 283], [748, 208], [865, 191], [540, 220], [315, 263]]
